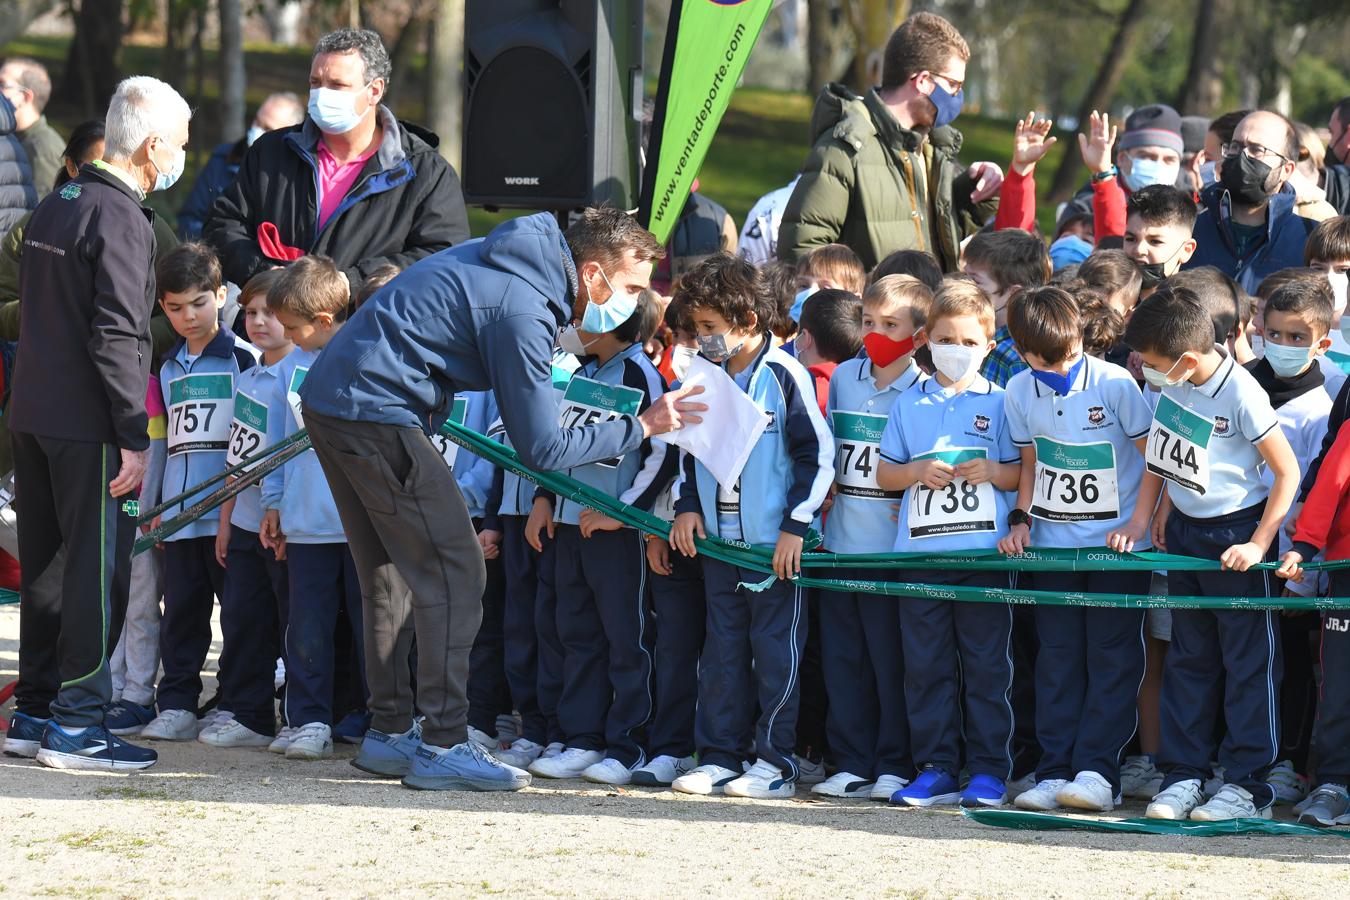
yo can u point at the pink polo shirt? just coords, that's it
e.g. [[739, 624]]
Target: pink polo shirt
[[335, 180]]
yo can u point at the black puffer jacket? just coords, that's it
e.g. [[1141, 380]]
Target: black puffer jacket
[[17, 194]]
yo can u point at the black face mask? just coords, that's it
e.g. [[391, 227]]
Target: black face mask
[[1154, 273], [1246, 179]]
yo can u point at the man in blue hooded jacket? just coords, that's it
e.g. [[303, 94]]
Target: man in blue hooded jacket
[[483, 315]]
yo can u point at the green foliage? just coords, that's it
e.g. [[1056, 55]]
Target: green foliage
[[1317, 86]]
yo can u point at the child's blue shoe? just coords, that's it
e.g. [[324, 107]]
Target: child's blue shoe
[[92, 748], [125, 717], [933, 787], [353, 727], [984, 790], [24, 738], [388, 755], [463, 767]]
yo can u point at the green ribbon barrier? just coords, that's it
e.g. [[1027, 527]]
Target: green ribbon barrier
[[1040, 559], [149, 515], [1030, 821], [8, 596]]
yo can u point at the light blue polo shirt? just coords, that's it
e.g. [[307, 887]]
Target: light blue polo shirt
[[929, 419], [1087, 465], [860, 520], [1203, 441]]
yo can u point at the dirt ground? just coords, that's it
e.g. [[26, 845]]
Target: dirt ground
[[215, 823]]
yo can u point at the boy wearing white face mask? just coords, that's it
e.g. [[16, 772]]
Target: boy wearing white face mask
[[1328, 251], [947, 446]]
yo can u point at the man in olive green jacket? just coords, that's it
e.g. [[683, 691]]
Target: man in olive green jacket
[[883, 174]]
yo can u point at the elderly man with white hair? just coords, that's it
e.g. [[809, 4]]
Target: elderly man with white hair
[[78, 422]]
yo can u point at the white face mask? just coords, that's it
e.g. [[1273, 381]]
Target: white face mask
[[569, 341], [680, 358], [955, 361], [1338, 282]]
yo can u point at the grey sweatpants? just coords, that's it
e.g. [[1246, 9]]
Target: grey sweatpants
[[135, 660], [420, 567]]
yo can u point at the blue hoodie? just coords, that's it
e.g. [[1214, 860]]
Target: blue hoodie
[[1280, 248], [483, 315], [298, 489], [256, 387], [474, 474]]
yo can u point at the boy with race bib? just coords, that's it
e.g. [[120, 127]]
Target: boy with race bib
[[867, 724], [947, 446], [1213, 433], [198, 379], [1081, 424]]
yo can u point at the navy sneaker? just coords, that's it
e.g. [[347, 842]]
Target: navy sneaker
[[353, 727], [984, 790], [389, 755], [24, 738], [464, 767], [125, 717], [93, 748], [933, 787]]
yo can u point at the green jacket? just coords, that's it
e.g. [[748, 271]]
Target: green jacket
[[860, 186], [46, 153]]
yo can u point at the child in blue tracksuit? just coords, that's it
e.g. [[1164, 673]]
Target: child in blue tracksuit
[[754, 639], [198, 381], [946, 445], [600, 566]]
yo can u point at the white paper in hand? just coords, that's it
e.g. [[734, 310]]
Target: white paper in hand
[[730, 427]]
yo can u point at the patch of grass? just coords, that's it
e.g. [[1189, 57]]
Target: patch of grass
[[132, 793]]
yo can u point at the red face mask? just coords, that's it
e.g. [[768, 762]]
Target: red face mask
[[883, 350]]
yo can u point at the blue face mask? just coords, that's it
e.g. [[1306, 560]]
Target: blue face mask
[[948, 105], [799, 302], [1058, 383], [334, 111], [602, 318], [1288, 361], [167, 178], [1144, 172]]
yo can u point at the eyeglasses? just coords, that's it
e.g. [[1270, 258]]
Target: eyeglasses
[[952, 86], [1253, 151]]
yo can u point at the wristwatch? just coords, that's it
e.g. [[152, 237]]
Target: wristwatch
[[1102, 176], [1018, 517]]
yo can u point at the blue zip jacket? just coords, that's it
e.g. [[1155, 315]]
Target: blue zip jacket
[[474, 474], [298, 489], [483, 315], [226, 355], [1280, 248], [789, 472], [258, 383]]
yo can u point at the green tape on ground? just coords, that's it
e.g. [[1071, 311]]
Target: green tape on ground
[[1031, 821]]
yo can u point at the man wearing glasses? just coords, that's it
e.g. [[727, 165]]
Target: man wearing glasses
[[1249, 228], [25, 84]]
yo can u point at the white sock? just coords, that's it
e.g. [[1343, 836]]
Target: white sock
[[73, 732]]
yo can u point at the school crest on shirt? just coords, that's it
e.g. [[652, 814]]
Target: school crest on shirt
[[1220, 425], [1096, 414], [70, 191], [982, 424]]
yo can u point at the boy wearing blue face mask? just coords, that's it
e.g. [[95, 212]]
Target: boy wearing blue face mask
[[1080, 423]]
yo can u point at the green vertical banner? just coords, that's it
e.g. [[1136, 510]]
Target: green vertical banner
[[707, 45]]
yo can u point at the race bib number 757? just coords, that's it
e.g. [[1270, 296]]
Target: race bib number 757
[[201, 408]]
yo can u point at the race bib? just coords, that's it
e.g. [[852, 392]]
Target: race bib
[[447, 448], [589, 402], [201, 408], [1340, 359], [248, 430], [729, 501], [664, 508], [1178, 445], [1075, 482], [293, 394], [857, 438], [958, 508]]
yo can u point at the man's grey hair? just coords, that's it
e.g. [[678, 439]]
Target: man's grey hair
[[374, 58], [287, 98], [142, 106], [33, 77]]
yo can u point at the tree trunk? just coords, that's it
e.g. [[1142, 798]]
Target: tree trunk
[[232, 83], [827, 36], [411, 38], [1102, 90], [91, 71], [19, 14], [445, 76], [873, 21], [1202, 92], [173, 61]]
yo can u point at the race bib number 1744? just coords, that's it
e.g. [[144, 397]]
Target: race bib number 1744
[[1178, 445]]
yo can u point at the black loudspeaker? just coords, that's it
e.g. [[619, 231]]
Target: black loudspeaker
[[553, 94]]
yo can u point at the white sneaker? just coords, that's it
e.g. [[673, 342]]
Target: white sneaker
[[845, 785], [213, 721], [1177, 801], [313, 740], [1290, 787], [283, 739], [809, 772], [483, 739], [1043, 797], [1231, 802], [570, 763], [233, 734], [1215, 782], [704, 780], [886, 786], [520, 754], [764, 781], [1088, 791], [172, 725], [608, 771], [662, 771], [1020, 785], [1140, 778]]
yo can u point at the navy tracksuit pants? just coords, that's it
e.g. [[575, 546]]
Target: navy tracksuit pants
[[606, 699], [252, 620], [752, 652], [1088, 670], [532, 652], [488, 691], [192, 581], [681, 620], [864, 666], [1331, 737], [957, 651], [322, 581], [1228, 657]]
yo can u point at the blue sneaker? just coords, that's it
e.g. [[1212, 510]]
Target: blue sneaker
[[125, 717], [933, 787], [464, 767], [389, 755], [353, 727], [984, 790], [24, 738], [93, 748]]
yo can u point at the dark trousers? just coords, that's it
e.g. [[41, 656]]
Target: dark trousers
[[864, 668], [681, 619], [488, 691], [1088, 670], [813, 708], [1332, 735], [1221, 661], [957, 651], [606, 697], [192, 582], [322, 581], [521, 645], [752, 652], [549, 682], [75, 552], [1298, 689], [252, 612], [1026, 750], [420, 567]]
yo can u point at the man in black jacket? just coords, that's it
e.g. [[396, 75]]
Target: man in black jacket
[[351, 182], [78, 421]]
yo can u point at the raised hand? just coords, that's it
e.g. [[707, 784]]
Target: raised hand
[[1097, 143], [1030, 143]]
